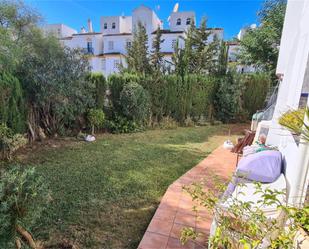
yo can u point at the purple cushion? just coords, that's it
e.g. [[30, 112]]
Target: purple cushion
[[264, 166]]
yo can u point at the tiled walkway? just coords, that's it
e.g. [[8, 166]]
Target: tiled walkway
[[175, 209]]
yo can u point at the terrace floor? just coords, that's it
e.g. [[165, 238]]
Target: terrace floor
[[175, 210]]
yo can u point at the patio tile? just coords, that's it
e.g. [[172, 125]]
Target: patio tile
[[185, 219], [160, 227], [165, 215], [175, 210], [176, 230], [175, 244], [153, 241]]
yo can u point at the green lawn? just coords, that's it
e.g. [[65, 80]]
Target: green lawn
[[105, 193]]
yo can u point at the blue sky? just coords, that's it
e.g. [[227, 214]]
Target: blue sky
[[228, 14]]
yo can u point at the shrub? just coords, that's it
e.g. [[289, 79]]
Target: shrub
[[228, 102], [135, 102], [9, 142], [119, 124], [116, 82], [96, 119], [99, 81], [57, 90], [22, 197], [12, 110], [255, 89]]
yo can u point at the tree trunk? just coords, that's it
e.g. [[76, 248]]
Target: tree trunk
[[27, 236], [18, 243]]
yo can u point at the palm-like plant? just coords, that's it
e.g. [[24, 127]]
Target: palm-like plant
[[295, 121]]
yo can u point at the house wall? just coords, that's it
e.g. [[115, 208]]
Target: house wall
[[59, 30], [292, 64], [183, 17], [80, 41]]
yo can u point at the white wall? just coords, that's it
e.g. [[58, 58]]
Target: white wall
[[80, 41], [293, 63], [144, 15], [119, 42], [183, 17], [59, 30]]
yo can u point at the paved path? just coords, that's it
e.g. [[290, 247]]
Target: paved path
[[175, 209]]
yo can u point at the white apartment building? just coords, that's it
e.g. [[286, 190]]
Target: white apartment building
[[106, 49]]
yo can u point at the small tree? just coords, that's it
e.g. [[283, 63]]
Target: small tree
[[23, 195], [156, 56], [99, 81], [260, 46], [96, 119], [135, 102], [137, 53]]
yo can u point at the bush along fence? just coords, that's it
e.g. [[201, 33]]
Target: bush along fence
[[138, 101], [131, 102]]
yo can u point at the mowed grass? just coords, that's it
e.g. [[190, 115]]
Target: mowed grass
[[105, 193]]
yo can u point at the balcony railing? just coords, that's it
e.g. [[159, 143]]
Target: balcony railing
[[88, 50]]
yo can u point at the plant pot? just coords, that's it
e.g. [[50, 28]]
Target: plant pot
[[301, 240]]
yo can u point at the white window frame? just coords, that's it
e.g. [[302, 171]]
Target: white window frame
[[178, 21], [113, 25], [105, 25]]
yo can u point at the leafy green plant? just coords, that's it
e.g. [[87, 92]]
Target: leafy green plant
[[294, 120], [96, 119], [99, 81], [23, 195], [9, 142], [244, 224], [12, 104], [120, 124], [135, 102]]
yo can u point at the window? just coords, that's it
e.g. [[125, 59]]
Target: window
[[178, 21], [103, 64], [116, 64], [174, 42], [129, 44], [188, 22], [105, 25], [113, 25], [110, 45], [89, 47]]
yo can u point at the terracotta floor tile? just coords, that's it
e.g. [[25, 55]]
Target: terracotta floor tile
[[165, 215], [160, 226], [175, 210], [185, 219], [176, 230], [153, 241], [175, 244]]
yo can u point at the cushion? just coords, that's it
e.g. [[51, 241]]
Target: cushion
[[264, 166]]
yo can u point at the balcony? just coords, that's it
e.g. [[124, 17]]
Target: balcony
[[88, 51]]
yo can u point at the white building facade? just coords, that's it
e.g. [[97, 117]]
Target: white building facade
[[106, 49]]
